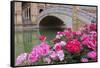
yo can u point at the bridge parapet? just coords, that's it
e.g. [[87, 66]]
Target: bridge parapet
[[67, 10]]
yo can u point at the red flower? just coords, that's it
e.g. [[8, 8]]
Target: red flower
[[73, 46], [42, 38]]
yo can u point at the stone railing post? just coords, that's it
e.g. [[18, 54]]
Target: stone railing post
[[74, 17]]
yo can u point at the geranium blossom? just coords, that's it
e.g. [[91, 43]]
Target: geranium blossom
[[91, 45], [60, 55], [57, 47], [92, 55], [93, 34], [86, 40], [68, 34], [40, 50], [33, 57], [63, 43], [73, 46], [58, 36], [79, 44], [42, 38], [93, 26], [45, 47], [78, 33], [53, 55], [22, 57]]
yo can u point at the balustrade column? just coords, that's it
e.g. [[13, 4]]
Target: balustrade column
[[28, 13], [75, 18]]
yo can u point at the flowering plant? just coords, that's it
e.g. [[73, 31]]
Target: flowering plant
[[68, 47]]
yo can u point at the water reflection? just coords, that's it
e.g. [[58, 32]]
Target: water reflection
[[50, 33], [25, 40]]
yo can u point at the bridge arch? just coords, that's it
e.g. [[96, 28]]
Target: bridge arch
[[51, 22], [65, 15], [58, 13]]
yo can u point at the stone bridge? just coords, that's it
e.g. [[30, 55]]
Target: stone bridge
[[63, 15]]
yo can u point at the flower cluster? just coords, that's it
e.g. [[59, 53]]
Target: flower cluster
[[21, 58], [73, 46], [38, 51], [68, 47]]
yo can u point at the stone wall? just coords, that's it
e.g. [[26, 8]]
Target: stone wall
[[18, 13]]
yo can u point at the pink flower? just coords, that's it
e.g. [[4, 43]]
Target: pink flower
[[47, 60], [93, 26], [78, 32], [21, 58], [74, 33], [92, 55], [68, 34], [53, 55], [60, 55], [57, 47], [45, 47], [73, 46], [93, 34], [60, 34], [63, 43], [91, 45], [87, 41], [38, 51], [42, 38], [81, 29], [33, 57], [84, 37], [84, 60]]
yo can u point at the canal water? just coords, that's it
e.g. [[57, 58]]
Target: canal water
[[26, 39]]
